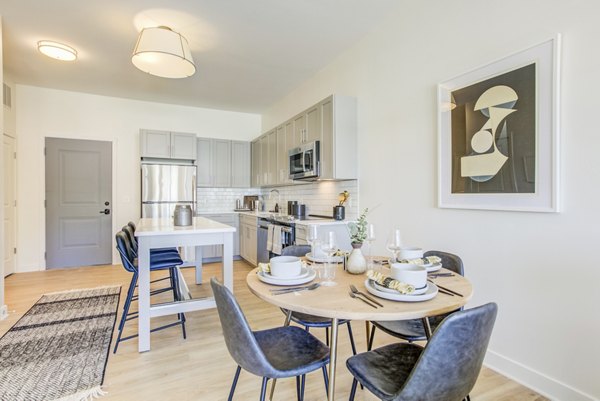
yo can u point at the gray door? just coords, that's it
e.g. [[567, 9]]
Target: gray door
[[78, 202]]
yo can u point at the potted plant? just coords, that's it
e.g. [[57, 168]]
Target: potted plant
[[357, 264]]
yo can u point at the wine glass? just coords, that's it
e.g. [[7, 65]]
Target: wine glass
[[329, 246], [369, 240], [311, 238], [394, 243]]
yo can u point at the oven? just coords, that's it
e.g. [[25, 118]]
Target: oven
[[304, 161], [288, 236]]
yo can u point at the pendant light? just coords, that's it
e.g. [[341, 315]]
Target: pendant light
[[163, 52]]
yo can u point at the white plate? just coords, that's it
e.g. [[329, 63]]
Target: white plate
[[432, 291], [418, 291], [304, 272], [334, 259], [305, 277]]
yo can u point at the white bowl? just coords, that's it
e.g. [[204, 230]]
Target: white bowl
[[285, 266], [410, 274], [411, 252]]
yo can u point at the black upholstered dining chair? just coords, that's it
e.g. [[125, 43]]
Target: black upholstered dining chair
[[413, 330], [275, 353], [130, 264], [445, 370], [311, 321]]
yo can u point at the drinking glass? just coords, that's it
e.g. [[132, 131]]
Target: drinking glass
[[329, 246], [394, 243], [369, 240]]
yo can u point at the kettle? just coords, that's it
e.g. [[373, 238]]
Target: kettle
[[182, 215]]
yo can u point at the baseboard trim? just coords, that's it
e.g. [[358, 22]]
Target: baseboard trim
[[539, 382]]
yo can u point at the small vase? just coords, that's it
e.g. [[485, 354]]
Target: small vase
[[357, 264]]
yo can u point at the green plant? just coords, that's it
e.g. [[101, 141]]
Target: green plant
[[358, 230]]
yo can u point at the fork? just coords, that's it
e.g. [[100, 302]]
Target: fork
[[357, 292], [353, 295]]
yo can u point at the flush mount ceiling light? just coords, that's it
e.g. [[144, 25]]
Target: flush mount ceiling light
[[163, 52], [57, 50]]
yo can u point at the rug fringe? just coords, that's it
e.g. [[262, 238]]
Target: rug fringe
[[85, 395], [83, 289]]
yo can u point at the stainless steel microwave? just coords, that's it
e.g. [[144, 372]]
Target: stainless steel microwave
[[304, 161]]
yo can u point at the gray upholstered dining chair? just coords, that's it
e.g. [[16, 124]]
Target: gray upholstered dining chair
[[445, 370], [275, 353], [413, 330]]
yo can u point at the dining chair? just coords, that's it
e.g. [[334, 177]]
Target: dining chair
[[413, 330], [310, 321], [130, 264], [445, 370], [276, 353]]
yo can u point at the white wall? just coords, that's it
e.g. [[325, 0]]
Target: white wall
[[2, 250], [541, 269], [45, 113]]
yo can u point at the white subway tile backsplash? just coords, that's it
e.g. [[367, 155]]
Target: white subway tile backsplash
[[319, 197]]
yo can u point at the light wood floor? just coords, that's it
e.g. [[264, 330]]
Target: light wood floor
[[200, 367]]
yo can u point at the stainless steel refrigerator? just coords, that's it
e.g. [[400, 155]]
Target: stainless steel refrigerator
[[167, 185]]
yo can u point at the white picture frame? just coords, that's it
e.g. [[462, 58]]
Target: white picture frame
[[451, 187]]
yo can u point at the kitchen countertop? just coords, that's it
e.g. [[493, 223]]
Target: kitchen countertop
[[266, 215]]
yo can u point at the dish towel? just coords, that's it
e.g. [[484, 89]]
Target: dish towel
[[276, 249], [270, 228]]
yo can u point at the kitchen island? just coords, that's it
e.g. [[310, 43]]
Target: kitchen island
[[161, 233]]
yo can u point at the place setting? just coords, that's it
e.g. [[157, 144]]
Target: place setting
[[285, 271]]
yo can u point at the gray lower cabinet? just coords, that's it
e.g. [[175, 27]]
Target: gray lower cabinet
[[248, 240], [167, 145], [216, 251]]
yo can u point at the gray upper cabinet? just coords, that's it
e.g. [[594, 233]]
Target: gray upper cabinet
[[223, 163], [331, 121], [240, 164], [167, 145], [338, 139], [256, 166]]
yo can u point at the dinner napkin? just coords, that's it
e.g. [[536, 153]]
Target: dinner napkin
[[427, 260], [264, 267], [389, 282]]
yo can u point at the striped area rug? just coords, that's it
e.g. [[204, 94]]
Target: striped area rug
[[58, 350]]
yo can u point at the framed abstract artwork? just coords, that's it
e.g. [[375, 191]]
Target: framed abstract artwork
[[498, 134]]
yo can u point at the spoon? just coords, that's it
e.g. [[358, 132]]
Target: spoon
[[353, 295], [356, 291]]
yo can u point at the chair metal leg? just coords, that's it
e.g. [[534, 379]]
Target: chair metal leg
[[351, 338], [302, 387], [325, 378], [353, 390], [125, 311], [263, 390], [235, 380], [371, 338], [298, 395], [468, 397], [327, 336]]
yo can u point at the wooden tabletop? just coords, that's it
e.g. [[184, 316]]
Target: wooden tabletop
[[335, 302]]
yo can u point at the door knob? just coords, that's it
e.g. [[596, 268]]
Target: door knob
[[105, 211]]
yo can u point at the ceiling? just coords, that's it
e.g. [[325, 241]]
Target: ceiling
[[248, 54]]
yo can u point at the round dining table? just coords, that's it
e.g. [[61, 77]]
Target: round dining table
[[335, 302]]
